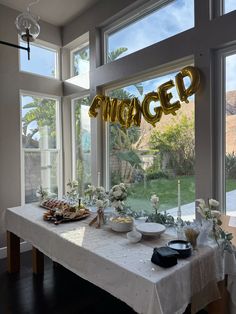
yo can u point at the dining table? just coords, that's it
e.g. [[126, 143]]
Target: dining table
[[108, 260]]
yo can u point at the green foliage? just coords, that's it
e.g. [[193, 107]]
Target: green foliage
[[115, 177], [113, 55], [161, 218], [43, 112], [82, 54], [157, 175], [230, 165], [176, 144], [81, 175], [130, 156]]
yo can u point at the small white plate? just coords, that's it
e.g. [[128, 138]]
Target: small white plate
[[150, 229]]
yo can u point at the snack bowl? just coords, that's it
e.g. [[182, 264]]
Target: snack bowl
[[134, 236], [182, 247], [121, 223]]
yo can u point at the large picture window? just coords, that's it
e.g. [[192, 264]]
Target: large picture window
[[230, 123], [81, 142], [40, 145], [43, 60], [164, 21], [152, 159]]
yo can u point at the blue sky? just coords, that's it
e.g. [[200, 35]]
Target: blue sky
[[230, 5], [42, 61], [169, 20]]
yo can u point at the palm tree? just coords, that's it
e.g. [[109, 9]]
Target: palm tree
[[41, 112]]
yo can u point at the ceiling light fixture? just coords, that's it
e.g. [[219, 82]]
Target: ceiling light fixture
[[27, 27]]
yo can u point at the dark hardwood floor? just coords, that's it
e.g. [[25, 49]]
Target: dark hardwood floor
[[58, 291]]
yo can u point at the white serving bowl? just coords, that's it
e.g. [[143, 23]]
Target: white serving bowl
[[121, 224], [151, 229], [134, 236]]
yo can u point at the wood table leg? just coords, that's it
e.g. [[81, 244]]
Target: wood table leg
[[13, 253], [37, 261], [220, 306]]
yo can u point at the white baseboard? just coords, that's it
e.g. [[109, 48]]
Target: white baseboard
[[24, 246]]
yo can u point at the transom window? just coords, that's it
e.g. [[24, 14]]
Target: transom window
[[164, 21], [80, 60], [43, 60]]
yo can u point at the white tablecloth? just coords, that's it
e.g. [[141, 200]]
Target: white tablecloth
[[109, 261]]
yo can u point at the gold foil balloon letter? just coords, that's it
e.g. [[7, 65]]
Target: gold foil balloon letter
[[134, 113], [96, 103], [194, 76], [166, 97], [148, 116], [128, 111], [122, 112]]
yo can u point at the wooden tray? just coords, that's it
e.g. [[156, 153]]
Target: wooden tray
[[57, 222]]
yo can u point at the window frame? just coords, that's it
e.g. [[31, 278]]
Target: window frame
[[58, 149], [47, 46]]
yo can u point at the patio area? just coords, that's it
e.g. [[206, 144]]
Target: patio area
[[188, 210]]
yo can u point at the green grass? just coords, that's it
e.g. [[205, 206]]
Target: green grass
[[230, 185], [166, 189]]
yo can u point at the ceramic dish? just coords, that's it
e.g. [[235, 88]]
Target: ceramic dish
[[182, 247], [121, 224], [134, 236], [151, 229]]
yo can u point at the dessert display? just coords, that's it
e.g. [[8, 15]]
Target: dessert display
[[60, 211]]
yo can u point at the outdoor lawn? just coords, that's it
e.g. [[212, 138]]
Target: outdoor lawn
[[166, 189]]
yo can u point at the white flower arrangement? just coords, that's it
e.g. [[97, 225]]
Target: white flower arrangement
[[41, 193], [72, 194], [155, 202], [212, 213], [117, 195], [97, 196]]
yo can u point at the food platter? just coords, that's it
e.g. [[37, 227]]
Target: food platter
[[58, 219], [60, 211]]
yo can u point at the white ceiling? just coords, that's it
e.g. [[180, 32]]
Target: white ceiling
[[56, 12]]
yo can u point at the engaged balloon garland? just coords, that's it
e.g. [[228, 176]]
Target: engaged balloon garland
[[128, 112]]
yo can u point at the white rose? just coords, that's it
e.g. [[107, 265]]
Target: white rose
[[154, 199], [213, 203], [215, 214], [99, 203], [201, 203], [117, 193], [201, 211]]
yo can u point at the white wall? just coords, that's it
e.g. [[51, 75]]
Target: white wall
[[11, 81]]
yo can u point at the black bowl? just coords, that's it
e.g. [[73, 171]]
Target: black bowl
[[184, 248]]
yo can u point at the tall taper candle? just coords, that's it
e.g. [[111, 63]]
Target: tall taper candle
[[179, 201], [99, 179]]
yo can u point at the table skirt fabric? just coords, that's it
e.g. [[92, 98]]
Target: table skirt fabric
[[108, 260]]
